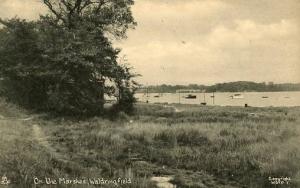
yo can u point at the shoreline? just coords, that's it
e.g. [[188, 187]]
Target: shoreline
[[210, 106]]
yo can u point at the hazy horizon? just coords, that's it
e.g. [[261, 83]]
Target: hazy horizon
[[205, 42], [267, 83]]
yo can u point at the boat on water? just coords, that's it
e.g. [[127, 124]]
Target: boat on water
[[190, 96], [158, 95], [237, 96]]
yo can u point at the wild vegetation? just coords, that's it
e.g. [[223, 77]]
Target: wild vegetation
[[65, 62], [198, 147]]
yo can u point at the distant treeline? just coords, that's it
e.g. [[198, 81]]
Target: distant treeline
[[224, 87]]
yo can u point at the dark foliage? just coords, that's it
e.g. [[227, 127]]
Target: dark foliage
[[65, 62]]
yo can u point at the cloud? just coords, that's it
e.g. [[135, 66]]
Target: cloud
[[215, 41], [245, 51], [247, 33], [205, 41], [26, 9]]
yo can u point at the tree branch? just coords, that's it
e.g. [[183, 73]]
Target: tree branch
[[67, 5], [85, 4], [101, 3], [58, 15], [77, 6], [90, 2], [4, 22]]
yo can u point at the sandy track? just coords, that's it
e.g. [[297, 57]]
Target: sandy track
[[41, 138]]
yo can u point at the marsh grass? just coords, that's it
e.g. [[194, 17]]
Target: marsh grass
[[199, 146], [21, 159]]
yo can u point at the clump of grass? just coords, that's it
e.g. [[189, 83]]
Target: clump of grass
[[25, 161], [229, 151], [199, 146], [21, 159]]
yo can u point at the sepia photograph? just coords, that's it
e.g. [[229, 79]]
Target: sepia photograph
[[150, 93]]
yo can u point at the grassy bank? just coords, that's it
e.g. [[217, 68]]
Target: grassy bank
[[198, 146]]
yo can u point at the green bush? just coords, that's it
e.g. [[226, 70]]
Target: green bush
[[47, 67]]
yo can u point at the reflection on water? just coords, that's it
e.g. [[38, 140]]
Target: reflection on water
[[257, 99]]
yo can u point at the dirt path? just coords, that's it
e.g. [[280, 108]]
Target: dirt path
[[41, 138]]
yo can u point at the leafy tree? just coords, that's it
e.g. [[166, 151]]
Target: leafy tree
[[104, 16], [63, 61], [126, 89], [21, 63]]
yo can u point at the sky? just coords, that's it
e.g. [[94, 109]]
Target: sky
[[205, 41]]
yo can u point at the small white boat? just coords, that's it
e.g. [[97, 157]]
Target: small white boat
[[237, 96]]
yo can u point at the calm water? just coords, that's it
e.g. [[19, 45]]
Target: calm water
[[257, 99]]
